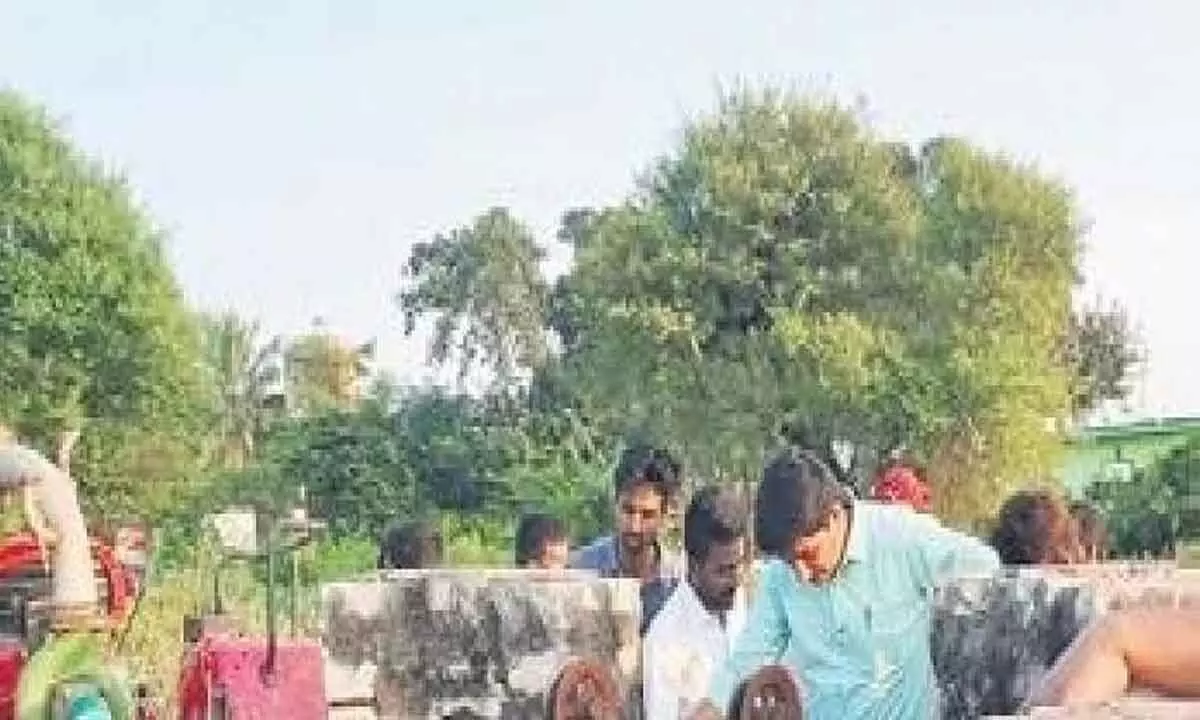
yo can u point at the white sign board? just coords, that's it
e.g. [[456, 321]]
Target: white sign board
[[237, 530]]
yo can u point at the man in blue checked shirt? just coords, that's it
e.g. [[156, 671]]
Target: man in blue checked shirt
[[844, 597]]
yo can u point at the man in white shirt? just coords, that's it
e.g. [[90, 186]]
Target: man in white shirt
[[695, 629]]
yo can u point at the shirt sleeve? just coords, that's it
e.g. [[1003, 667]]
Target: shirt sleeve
[[660, 697], [762, 641], [938, 553], [584, 558]]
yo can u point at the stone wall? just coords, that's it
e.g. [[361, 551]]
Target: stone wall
[[473, 643], [489, 643], [1132, 709], [994, 639]]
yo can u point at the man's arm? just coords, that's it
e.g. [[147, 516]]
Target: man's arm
[[762, 641], [587, 557], [1155, 649], [937, 552]]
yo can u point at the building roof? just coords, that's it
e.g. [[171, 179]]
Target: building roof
[[1137, 428]]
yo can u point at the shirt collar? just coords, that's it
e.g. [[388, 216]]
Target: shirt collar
[[693, 608], [669, 565], [857, 540]]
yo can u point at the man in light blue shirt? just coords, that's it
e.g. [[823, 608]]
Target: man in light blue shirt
[[844, 597]]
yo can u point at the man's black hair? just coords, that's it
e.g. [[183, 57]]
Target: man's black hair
[[797, 494], [410, 546], [534, 532], [642, 463], [714, 516], [1034, 527]]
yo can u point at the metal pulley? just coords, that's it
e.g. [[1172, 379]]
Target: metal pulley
[[585, 690], [770, 694]]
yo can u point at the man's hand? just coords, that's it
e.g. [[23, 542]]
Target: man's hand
[[706, 711]]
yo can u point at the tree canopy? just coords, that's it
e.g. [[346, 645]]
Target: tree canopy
[[94, 330], [786, 272]]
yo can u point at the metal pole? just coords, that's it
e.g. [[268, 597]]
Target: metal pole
[[268, 668], [295, 590]]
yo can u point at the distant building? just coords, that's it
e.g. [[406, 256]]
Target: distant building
[[1111, 453]]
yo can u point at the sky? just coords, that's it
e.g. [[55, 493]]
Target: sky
[[294, 151]]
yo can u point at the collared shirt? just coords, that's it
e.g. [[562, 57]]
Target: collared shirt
[[685, 642], [859, 644], [602, 556]]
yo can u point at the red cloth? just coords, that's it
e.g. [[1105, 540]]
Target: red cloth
[[900, 483]]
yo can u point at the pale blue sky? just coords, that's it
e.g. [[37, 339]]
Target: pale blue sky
[[294, 150]]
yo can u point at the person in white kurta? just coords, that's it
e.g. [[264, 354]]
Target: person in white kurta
[[695, 630]]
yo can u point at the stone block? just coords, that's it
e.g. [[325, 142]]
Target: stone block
[[993, 639], [1132, 709], [475, 643]]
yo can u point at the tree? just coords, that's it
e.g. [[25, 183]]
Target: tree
[[786, 266], [483, 286], [351, 464], [324, 373], [94, 331], [245, 375], [1103, 350]]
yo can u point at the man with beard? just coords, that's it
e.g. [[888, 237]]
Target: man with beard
[[697, 625], [647, 480], [844, 597]]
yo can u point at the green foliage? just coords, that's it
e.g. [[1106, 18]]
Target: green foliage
[[340, 559], [350, 463], [1104, 350], [786, 272], [324, 372], [1142, 515], [94, 332], [485, 462], [787, 266], [483, 286], [243, 373], [1158, 507]]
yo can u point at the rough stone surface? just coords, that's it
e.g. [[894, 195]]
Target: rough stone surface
[[994, 639], [490, 643], [475, 643], [1125, 710]]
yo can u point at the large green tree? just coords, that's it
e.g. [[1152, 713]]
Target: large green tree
[[482, 286], [94, 331], [787, 273]]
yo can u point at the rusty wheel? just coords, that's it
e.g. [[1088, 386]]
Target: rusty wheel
[[770, 694], [585, 690]]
